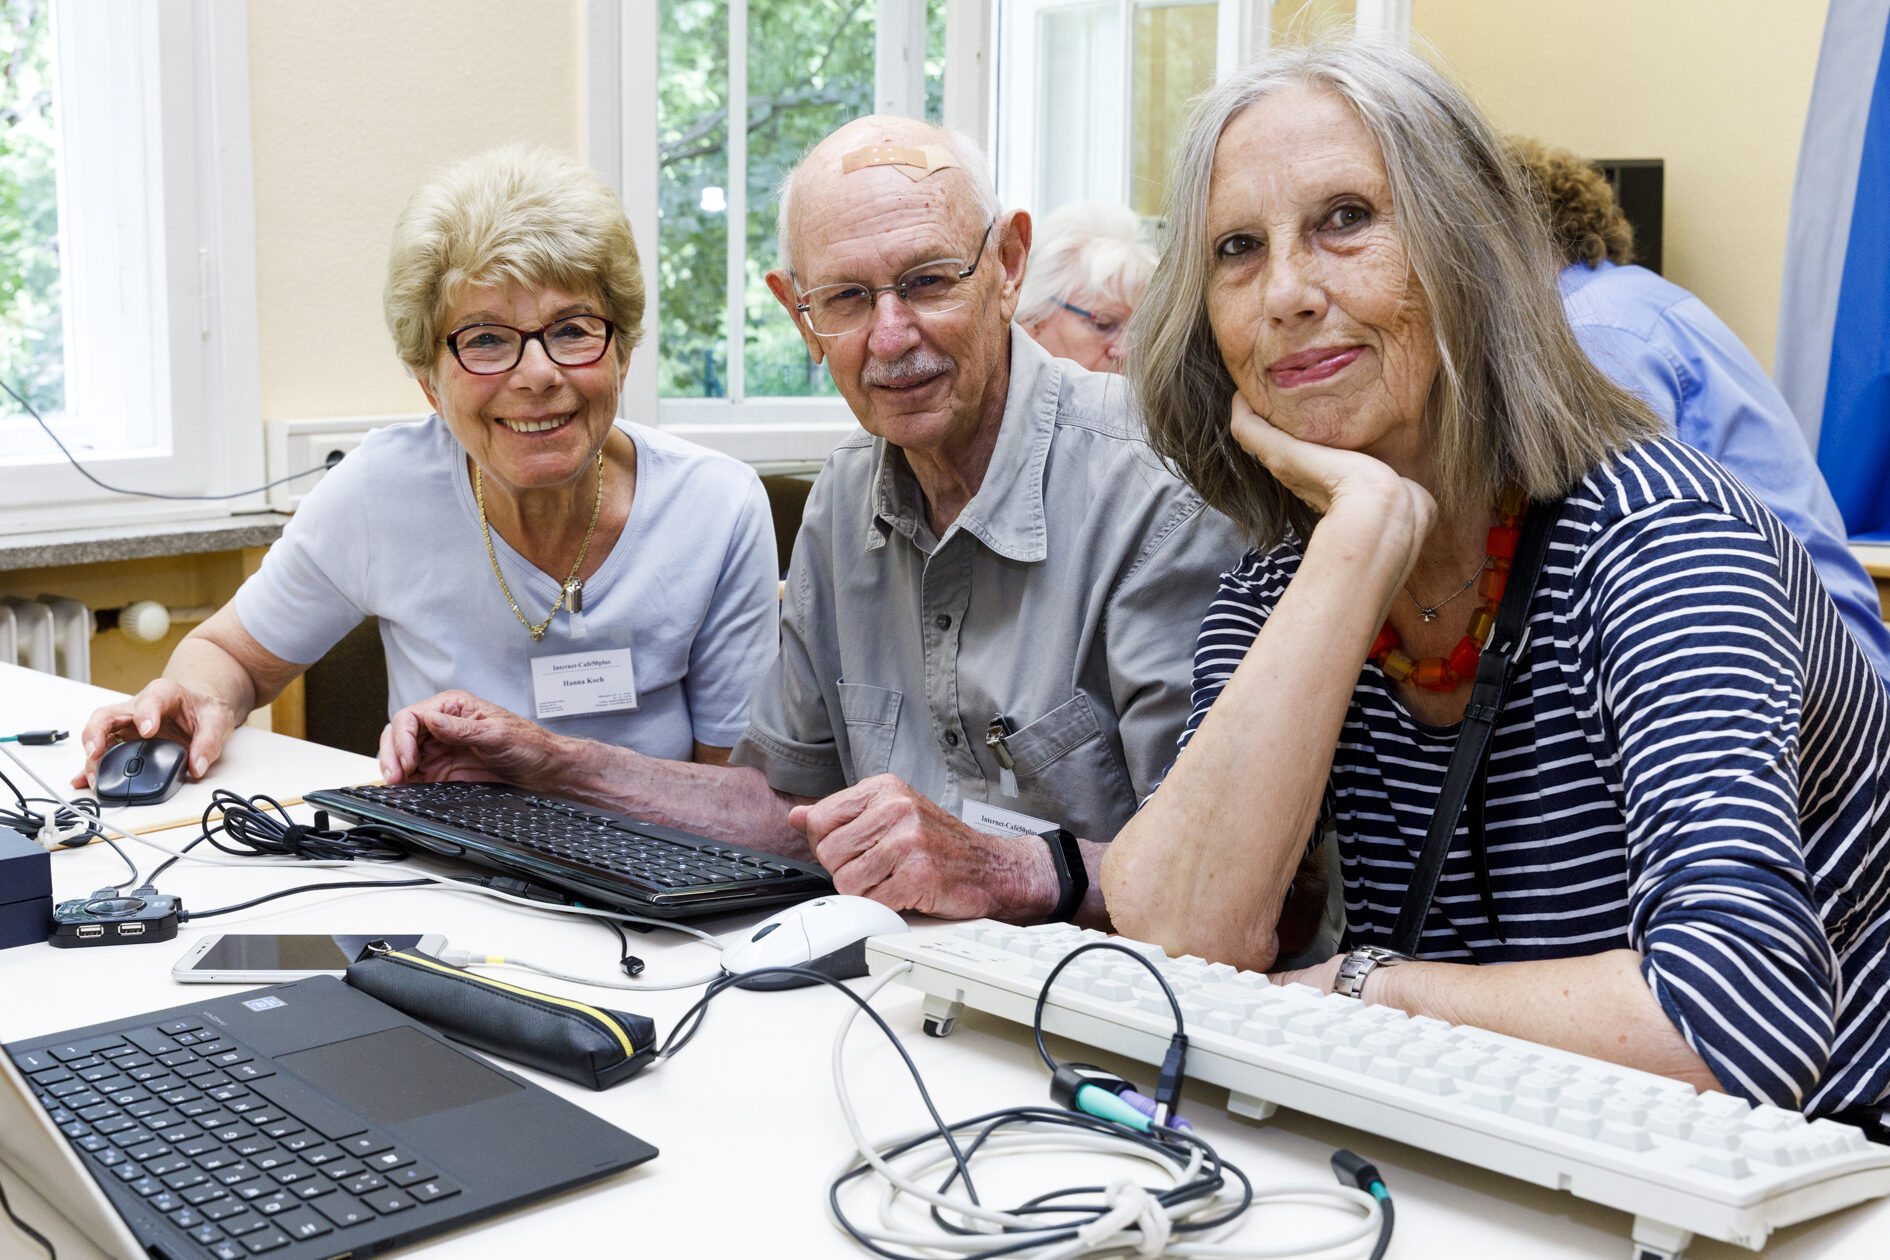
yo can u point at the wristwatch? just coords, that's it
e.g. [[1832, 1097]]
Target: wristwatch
[[1360, 963], [1072, 876]]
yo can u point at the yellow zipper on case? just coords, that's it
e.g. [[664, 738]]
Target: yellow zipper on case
[[622, 1040]]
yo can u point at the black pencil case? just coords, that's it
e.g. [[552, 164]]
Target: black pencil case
[[586, 1044]]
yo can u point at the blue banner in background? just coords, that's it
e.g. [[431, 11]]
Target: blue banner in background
[[1833, 363], [1854, 441]]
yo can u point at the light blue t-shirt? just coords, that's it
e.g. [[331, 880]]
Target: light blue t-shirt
[[393, 532], [1653, 337]]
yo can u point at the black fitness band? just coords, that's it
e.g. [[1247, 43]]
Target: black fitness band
[[1072, 876]]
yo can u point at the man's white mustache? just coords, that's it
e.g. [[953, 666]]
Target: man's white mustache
[[914, 364]]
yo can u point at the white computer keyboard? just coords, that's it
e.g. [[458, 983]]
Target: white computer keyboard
[[1681, 1162]]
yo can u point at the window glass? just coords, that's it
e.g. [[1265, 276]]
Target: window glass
[[127, 273], [692, 155], [81, 273], [810, 68], [1079, 122], [935, 61], [32, 332], [1172, 61]]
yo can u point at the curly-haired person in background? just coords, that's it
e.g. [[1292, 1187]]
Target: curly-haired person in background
[[1653, 337]]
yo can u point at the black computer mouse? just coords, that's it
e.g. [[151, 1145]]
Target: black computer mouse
[[141, 772]]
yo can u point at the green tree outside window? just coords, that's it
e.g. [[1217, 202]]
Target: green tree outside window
[[32, 330], [810, 68]]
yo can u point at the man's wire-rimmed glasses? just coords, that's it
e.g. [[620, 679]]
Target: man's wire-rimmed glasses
[[489, 349], [833, 310]]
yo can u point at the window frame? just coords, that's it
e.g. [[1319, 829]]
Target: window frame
[[199, 271], [621, 145], [1242, 29]]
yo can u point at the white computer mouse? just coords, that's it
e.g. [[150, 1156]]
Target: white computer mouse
[[827, 934]]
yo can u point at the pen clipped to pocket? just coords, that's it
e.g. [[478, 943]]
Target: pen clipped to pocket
[[588, 1045]]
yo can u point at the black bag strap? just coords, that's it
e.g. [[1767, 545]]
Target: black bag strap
[[1506, 644]]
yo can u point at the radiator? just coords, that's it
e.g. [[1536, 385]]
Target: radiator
[[51, 634]]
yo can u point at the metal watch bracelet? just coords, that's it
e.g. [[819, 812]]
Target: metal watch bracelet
[[1359, 964]]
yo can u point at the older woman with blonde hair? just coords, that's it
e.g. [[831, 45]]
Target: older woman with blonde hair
[[1088, 267], [522, 529], [1652, 777]]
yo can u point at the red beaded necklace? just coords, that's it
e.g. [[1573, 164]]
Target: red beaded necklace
[[1441, 673]]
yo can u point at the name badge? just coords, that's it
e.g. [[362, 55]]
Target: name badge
[[580, 683], [995, 820]]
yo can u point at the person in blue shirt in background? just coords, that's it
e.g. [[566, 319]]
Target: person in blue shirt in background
[[1655, 338]]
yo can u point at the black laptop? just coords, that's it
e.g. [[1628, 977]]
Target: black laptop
[[299, 1122], [592, 855]]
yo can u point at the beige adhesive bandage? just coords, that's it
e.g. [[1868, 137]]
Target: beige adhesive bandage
[[914, 163]]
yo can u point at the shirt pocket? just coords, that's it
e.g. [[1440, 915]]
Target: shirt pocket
[[872, 717], [1052, 736], [1067, 771]]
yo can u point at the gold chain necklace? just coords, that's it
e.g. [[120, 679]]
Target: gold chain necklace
[[597, 508]]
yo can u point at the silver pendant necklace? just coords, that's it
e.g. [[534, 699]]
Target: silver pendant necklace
[[1430, 614]]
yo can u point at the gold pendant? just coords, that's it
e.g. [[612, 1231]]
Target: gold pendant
[[538, 636]]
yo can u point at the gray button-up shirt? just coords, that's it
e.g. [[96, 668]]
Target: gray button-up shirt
[[1065, 598]]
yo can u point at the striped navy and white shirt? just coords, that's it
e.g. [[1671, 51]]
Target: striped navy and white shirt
[[1693, 762]]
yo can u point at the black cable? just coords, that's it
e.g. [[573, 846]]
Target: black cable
[[1360, 1173], [1206, 1185], [627, 962], [1043, 994], [1174, 1062], [169, 862], [29, 821], [1172, 1143], [24, 1228], [153, 494], [260, 826], [191, 916], [720, 986], [252, 830]]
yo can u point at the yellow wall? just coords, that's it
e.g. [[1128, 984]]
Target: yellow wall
[[353, 103], [1718, 88]]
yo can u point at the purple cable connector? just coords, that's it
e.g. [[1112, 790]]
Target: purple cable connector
[[1146, 1106]]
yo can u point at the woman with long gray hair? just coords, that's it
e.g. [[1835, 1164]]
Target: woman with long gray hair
[[1678, 833]]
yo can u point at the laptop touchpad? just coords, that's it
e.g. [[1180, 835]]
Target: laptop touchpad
[[396, 1075]]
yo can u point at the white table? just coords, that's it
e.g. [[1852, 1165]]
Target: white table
[[744, 1118]]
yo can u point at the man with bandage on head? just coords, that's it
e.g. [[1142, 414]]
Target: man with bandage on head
[[988, 624]]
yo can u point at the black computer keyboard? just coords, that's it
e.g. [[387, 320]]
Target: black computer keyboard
[[598, 855], [205, 1132]]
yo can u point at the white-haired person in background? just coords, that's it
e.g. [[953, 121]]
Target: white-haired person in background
[[522, 527], [1086, 274]]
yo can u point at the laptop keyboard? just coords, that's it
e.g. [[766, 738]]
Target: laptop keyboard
[[571, 835], [206, 1132]]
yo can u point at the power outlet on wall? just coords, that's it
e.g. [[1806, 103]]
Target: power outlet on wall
[[301, 444]]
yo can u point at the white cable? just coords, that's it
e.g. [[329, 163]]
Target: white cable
[[1130, 1226], [106, 825], [552, 907], [474, 958]]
